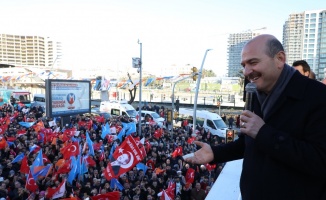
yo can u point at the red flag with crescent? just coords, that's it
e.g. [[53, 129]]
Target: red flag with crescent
[[177, 152], [125, 157], [3, 128], [24, 168], [30, 183], [190, 175], [107, 196], [69, 150]]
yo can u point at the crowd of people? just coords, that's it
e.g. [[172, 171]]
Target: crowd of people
[[163, 166]]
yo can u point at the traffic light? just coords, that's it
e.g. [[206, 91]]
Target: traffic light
[[177, 105], [194, 73], [229, 136], [169, 116], [176, 115]]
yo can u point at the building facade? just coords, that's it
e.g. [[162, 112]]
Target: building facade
[[304, 38], [29, 51], [236, 42]]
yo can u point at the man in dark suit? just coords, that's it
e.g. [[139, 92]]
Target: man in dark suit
[[283, 140]]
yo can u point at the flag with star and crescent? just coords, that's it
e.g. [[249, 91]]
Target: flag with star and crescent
[[124, 158]]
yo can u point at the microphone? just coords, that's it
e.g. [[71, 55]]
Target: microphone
[[250, 91]]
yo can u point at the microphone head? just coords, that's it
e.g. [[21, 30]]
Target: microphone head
[[251, 87]]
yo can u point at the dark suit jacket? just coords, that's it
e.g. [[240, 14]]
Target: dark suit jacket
[[287, 160]]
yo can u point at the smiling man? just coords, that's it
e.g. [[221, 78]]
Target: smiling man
[[283, 141]]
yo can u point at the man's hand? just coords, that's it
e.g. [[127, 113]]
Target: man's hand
[[250, 123], [203, 155]]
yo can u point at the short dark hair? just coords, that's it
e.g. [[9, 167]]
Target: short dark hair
[[273, 46], [303, 63]]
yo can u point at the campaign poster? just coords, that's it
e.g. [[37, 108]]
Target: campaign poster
[[67, 97]]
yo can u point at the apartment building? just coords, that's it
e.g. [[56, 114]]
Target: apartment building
[[236, 42], [304, 37], [29, 51]]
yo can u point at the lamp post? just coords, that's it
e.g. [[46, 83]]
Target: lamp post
[[197, 89], [193, 74], [140, 88]]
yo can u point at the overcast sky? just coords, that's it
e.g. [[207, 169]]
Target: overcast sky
[[104, 33]]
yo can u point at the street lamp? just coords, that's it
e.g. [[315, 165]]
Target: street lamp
[[140, 87], [197, 89]]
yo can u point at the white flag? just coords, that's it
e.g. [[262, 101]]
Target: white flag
[[61, 191]]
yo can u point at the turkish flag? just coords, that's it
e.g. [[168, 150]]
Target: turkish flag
[[30, 183], [82, 124], [3, 128], [177, 152], [210, 167], [97, 146], [107, 196], [191, 140], [100, 119], [102, 156], [165, 196], [110, 138], [125, 157], [45, 159], [56, 192], [190, 175], [157, 134], [66, 168], [70, 132], [147, 145], [21, 132], [90, 161], [141, 146], [24, 168], [171, 190], [69, 150], [11, 139]]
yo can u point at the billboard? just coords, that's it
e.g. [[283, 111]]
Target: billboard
[[67, 97]]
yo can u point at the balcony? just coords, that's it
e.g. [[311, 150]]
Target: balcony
[[226, 185]]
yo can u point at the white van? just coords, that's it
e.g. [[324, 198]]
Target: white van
[[38, 100], [208, 120], [156, 117], [117, 108]]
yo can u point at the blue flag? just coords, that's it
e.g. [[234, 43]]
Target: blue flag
[[122, 131], [132, 128], [112, 150], [115, 183], [73, 172], [38, 160], [94, 127], [142, 167], [43, 172], [26, 124], [90, 144], [18, 158], [105, 130]]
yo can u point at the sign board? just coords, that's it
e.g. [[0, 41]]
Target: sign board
[[67, 97]]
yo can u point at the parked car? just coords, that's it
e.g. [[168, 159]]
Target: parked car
[[156, 117]]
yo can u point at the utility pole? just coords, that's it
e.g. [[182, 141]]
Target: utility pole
[[197, 89]]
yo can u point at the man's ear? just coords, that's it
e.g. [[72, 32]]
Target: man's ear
[[280, 59]]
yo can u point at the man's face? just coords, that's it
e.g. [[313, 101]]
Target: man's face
[[259, 67], [300, 69]]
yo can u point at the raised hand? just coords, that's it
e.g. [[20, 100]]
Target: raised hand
[[203, 155]]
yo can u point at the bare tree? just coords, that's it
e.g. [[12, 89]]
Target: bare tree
[[132, 91]]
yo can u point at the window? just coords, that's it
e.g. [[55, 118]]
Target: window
[[210, 124], [115, 112], [200, 121]]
